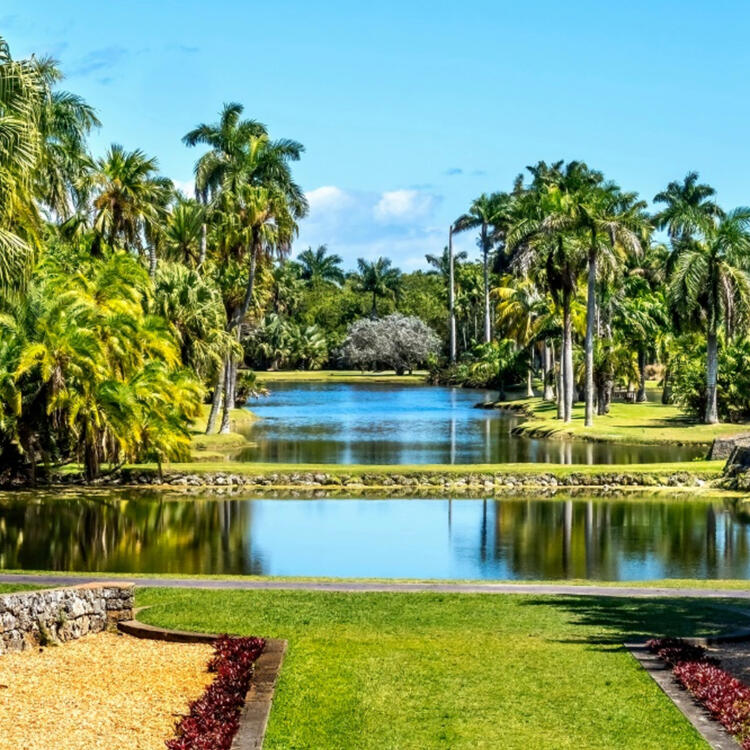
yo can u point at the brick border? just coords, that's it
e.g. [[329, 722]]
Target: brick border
[[259, 697]]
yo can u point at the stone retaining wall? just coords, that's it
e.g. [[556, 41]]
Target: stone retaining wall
[[434, 481], [33, 618], [722, 448], [737, 469]]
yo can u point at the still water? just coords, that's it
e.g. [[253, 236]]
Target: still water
[[391, 424], [641, 537]]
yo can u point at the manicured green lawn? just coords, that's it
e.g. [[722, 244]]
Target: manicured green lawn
[[339, 376], [398, 671], [652, 422], [699, 468], [10, 588]]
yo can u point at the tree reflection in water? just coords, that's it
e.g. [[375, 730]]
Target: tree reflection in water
[[127, 532], [620, 539], [565, 537]]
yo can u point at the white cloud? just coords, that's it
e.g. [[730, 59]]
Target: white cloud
[[404, 206], [328, 198], [186, 187], [357, 224]]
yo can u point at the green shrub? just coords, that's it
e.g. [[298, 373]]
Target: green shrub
[[733, 385]]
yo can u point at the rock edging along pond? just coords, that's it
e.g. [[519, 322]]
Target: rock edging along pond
[[433, 479], [34, 618]]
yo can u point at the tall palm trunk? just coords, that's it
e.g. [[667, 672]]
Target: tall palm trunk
[[204, 244], [567, 354], [230, 395], [712, 366], [548, 360], [235, 321], [640, 396], [151, 260], [589, 352], [486, 254], [217, 397], [666, 393], [451, 297], [530, 382]]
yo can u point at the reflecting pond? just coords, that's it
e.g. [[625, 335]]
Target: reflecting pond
[[534, 537], [409, 424]]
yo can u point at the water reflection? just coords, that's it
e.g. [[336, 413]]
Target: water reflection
[[389, 424], [642, 537]]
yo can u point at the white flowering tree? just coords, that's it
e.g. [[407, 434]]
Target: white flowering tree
[[397, 342]]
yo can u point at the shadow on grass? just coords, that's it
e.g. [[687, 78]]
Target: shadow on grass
[[607, 622]]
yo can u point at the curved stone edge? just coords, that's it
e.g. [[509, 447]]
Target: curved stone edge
[[259, 697], [711, 731]]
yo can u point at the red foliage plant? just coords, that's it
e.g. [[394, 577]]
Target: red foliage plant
[[214, 717], [725, 697]]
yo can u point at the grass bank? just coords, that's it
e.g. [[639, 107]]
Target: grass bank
[[217, 447], [454, 671], [418, 377], [424, 473], [648, 423]]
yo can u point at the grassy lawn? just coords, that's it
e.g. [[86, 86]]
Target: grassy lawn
[[216, 447], [375, 671], [699, 468], [652, 422], [736, 584], [340, 376], [11, 588]]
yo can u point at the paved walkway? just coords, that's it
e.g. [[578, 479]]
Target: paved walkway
[[371, 586]]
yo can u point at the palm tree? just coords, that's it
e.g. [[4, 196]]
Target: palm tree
[[687, 206], [445, 265], [519, 309], [553, 257], [183, 232], [441, 263], [319, 266], [379, 279], [488, 213], [21, 93], [227, 140], [256, 204], [710, 284], [610, 223], [130, 200], [64, 122]]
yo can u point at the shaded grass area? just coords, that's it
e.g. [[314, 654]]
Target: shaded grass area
[[648, 423], [454, 671], [418, 377]]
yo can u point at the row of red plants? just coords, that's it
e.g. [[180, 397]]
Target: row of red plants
[[213, 719], [725, 697]]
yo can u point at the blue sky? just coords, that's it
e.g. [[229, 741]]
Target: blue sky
[[408, 110]]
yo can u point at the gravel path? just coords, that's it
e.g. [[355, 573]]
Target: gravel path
[[372, 586]]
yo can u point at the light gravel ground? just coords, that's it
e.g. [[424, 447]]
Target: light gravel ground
[[102, 691]]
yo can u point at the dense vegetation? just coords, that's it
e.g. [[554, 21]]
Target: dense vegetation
[[124, 304]]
